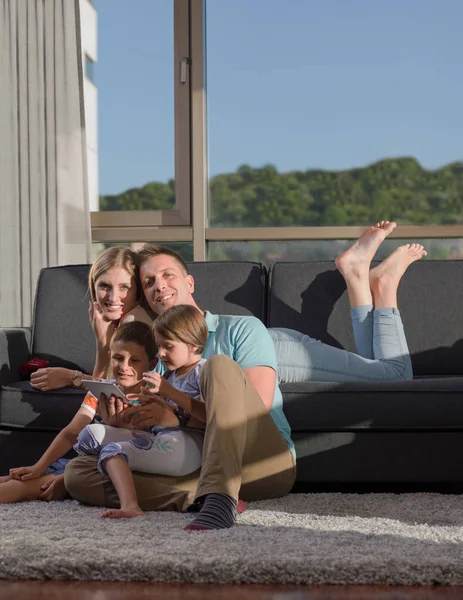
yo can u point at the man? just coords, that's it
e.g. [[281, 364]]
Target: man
[[247, 449]]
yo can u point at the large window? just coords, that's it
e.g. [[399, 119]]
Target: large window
[[334, 113], [318, 117]]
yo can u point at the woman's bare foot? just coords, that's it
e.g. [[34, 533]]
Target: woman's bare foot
[[354, 264], [122, 513], [395, 265], [385, 278], [355, 261]]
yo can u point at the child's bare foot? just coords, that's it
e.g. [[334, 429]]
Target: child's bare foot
[[390, 271], [122, 513], [355, 261]]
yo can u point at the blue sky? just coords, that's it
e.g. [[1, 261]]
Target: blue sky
[[301, 84]]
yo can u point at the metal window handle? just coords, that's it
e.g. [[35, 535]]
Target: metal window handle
[[183, 66]]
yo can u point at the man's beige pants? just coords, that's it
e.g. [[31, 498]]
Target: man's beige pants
[[244, 453]]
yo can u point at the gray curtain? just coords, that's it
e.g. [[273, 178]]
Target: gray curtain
[[44, 216]]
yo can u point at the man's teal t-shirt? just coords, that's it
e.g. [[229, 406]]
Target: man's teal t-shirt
[[247, 341]]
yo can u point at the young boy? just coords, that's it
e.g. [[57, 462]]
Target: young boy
[[132, 353]]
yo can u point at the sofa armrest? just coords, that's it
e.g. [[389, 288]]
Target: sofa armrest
[[15, 347]]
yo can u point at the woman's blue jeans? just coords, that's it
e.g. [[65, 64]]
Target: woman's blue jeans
[[381, 345]]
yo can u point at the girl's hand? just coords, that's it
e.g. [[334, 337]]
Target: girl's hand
[[153, 410], [113, 411], [102, 329], [53, 489], [154, 383], [51, 378], [25, 473]]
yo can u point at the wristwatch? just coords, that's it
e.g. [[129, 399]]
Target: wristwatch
[[182, 416], [76, 379]]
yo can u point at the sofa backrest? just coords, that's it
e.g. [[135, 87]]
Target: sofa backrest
[[311, 297], [231, 288], [61, 330]]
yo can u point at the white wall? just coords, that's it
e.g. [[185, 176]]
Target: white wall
[[88, 23]]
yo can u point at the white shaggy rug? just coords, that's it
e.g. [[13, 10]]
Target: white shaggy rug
[[403, 539]]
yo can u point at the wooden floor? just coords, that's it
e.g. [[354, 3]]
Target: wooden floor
[[87, 590]]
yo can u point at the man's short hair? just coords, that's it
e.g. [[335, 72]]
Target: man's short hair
[[147, 251]]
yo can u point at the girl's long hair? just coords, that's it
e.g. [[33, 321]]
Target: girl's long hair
[[182, 323]]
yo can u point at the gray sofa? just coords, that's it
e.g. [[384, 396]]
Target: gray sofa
[[362, 436]]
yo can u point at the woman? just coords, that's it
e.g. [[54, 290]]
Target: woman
[[115, 296]]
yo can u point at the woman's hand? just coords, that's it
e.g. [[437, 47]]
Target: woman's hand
[[153, 410], [113, 411], [102, 329], [25, 473], [51, 378], [53, 489]]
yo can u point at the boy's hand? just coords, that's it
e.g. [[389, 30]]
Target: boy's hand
[[25, 473], [113, 411], [53, 489]]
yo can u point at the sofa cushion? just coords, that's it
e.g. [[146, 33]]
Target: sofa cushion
[[230, 288], [25, 408], [311, 297], [421, 404]]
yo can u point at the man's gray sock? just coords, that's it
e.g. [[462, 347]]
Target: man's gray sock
[[218, 512]]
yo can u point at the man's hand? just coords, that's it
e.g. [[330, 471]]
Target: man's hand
[[153, 410], [113, 411], [25, 473], [53, 489], [51, 378]]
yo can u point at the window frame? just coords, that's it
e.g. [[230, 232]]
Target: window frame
[[122, 224], [189, 220]]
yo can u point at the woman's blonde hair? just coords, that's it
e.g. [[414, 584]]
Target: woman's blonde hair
[[182, 323], [118, 256]]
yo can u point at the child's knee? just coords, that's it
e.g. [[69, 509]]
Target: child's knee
[[89, 440]]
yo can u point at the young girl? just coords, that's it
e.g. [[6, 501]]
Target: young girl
[[115, 296], [132, 352], [181, 334]]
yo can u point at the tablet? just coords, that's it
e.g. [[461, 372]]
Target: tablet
[[104, 387]]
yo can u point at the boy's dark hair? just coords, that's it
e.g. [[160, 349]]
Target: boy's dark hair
[[147, 251], [182, 323], [138, 332]]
